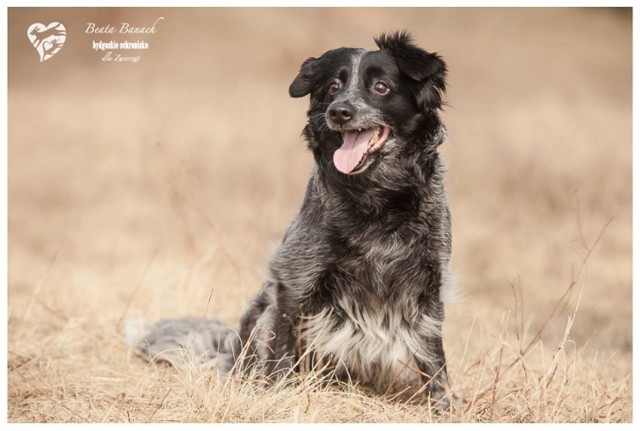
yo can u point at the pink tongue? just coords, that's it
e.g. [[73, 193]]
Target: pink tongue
[[354, 146]]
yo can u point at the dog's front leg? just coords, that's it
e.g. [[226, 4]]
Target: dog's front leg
[[285, 329], [433, 366], [431, 359]]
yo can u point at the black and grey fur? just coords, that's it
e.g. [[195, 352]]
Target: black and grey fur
[[360, 277]]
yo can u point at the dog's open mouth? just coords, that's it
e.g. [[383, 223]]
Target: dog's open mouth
[[358, 146]]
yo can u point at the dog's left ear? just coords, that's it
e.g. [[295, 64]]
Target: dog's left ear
[[306, 79], [427, 70]]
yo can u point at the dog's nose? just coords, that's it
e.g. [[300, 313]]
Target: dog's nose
[[341, 113]]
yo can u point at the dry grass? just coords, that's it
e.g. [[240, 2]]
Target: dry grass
[[158, 190]]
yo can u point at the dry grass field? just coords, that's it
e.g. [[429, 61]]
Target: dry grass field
[[158, 189]]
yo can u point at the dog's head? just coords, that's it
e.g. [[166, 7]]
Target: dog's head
[[367, 106]]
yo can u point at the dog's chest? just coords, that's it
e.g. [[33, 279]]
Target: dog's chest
[[371, 345], [384, 269]]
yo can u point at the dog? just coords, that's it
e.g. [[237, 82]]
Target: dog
[[359, 280]]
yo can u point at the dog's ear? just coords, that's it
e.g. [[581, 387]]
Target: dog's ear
[[428, 70], [306, 79]]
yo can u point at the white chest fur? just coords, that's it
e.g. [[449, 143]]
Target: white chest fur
[[375, 347]]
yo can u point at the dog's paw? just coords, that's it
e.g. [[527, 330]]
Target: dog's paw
[[278, 371], [444, 401]]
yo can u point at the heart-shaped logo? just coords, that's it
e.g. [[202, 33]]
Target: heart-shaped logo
[[47, 39]]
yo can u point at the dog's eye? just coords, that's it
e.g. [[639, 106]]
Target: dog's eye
[[381, 87], [334, 87]]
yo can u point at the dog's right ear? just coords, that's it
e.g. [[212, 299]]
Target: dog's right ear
[[306, 79]]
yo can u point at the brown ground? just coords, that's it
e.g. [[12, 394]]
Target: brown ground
[[142, 189]]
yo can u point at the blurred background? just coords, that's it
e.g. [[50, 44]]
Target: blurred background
[[151, 188]]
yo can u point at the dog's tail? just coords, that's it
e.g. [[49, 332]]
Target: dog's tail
[[185, 342]]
